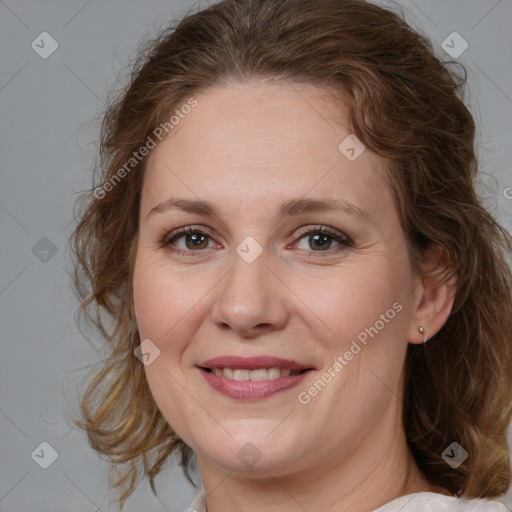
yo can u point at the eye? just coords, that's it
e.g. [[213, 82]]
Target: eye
[[187, 239], [320, 239]]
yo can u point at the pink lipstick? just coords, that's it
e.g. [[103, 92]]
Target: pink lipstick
[[252, 378]]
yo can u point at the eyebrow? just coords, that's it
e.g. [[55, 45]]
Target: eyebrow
[[288, 208]]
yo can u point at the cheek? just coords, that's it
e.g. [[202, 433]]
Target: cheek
[[349, 301], [165, 301], [360, 319], [166, 309]]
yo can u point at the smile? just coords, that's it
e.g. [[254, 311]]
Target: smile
[[252, 378], [259, 374]]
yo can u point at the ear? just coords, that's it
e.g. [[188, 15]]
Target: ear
[[434, 297]]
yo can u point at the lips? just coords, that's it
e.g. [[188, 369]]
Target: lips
[[252, 378]]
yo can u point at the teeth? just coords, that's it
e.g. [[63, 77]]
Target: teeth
[[273, 373], [242, 375], [254, 375], [258, 374]]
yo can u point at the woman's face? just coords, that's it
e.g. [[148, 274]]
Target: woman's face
[[294, 252]]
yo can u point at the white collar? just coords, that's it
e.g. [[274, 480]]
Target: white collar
[[416, 502]]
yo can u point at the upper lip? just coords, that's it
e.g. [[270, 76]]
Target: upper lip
[[253, 363]]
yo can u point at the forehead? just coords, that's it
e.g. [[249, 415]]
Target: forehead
[[263, 141]]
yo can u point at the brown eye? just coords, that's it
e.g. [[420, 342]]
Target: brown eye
[[322, 238], [320, 241], [187, 240], [195, 241]]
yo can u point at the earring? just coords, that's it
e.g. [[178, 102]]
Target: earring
[[422, 331]]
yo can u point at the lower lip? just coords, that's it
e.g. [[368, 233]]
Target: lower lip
[[249, 389]]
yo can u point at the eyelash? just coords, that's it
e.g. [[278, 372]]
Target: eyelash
[[167, 240]]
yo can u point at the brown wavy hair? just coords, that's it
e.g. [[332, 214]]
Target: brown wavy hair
[[405, 104]]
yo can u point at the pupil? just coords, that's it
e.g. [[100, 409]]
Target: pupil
[[322, 238], [196, 240]]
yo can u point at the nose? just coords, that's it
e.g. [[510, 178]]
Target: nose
[[252, 299]]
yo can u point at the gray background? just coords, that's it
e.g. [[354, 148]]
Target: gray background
[[48, 135]]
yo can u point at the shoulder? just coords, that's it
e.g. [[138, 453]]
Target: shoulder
[[417, 502], [434, 502]]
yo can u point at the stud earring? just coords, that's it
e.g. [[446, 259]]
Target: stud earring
[[422, 331]]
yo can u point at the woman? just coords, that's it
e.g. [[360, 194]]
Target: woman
[[305, 289]]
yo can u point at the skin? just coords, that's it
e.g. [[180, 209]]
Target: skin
[[248, 149]]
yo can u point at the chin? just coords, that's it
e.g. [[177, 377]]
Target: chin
[[261, 450]]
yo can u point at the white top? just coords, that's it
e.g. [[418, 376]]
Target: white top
[[416, 502]]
